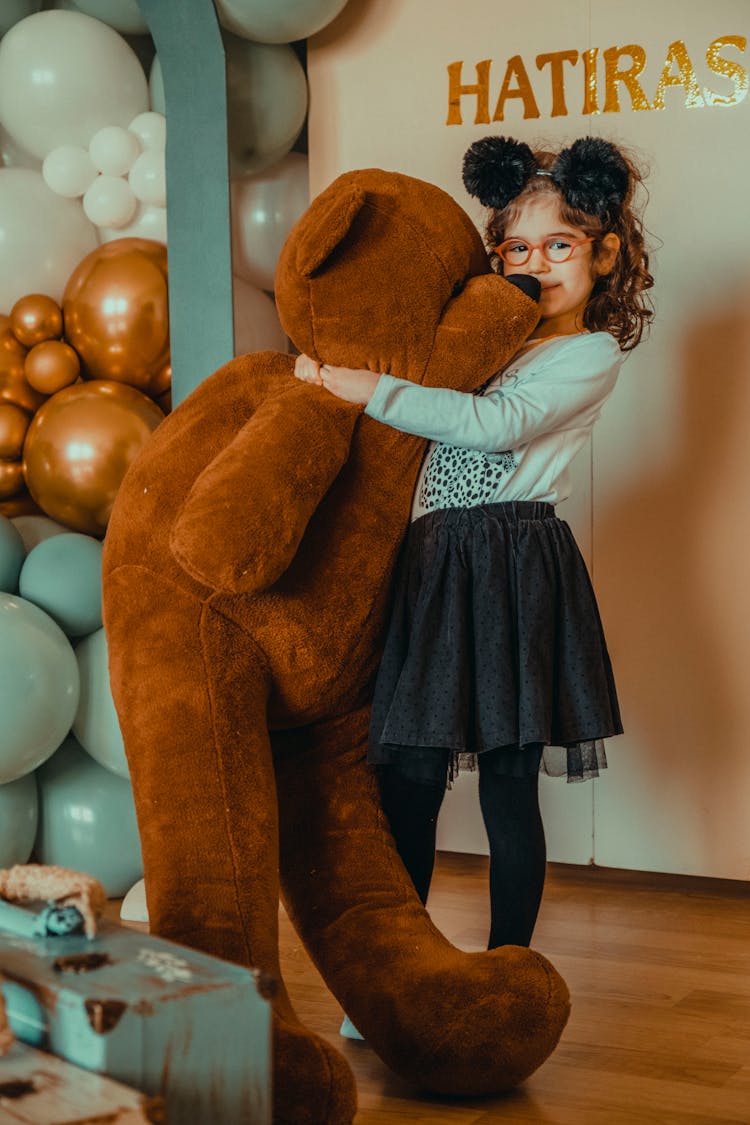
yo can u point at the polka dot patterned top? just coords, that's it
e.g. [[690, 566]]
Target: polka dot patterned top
[[460, 478], [514, 438]]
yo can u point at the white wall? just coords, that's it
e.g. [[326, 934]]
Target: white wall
[[661, 508]]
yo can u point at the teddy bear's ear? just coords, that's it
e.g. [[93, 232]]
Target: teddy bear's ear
[[328, 224]]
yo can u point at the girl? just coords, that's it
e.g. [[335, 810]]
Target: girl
[[495, 653]]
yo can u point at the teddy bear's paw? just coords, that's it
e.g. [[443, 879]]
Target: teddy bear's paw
[[502, 1022], [313, 1084], [465, 1024]]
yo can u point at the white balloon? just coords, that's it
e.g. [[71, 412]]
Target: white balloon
[[256, 322], [134, 908], [269, 21], [148, 222], [63, 76], [148, 178], [156, 87], [13, 155], [68, 170], [151, 129], [110, 202], [123, 15], [35, 529], [43, 237], [265, 207], [266, 102], [12, 11], [114, 150]]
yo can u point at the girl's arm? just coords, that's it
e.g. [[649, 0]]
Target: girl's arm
[[352, 385], [572, 384]]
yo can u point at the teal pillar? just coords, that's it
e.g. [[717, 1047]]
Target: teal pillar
[[188, 42]]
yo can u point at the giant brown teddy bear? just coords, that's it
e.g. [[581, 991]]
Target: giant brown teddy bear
[[248, 564]]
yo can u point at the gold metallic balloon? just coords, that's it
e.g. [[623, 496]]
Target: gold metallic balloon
[[116, 312], [20, 505], [11, 352], [11, 479], [14, 423], [161, 382], [50, 366], [79, 446], [165, 401], [34, 318], [13, 385]]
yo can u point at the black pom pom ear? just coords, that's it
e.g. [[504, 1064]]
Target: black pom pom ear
[[495, 169], [593, 176]]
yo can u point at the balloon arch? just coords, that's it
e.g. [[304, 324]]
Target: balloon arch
[[97, 338]]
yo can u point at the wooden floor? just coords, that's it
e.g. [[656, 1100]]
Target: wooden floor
[[659, 971]]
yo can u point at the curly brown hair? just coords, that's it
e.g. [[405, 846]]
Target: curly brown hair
[[618, 303]]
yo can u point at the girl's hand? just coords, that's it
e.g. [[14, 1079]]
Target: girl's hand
[[308, 370], [355, 386]]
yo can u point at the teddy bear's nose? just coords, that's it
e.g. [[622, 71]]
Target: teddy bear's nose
[[529, 285]]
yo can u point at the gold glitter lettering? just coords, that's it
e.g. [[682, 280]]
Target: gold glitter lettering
[[736, 73], [556, 60], [629, 78], [516, 69], [678, 56], [456, 90], [590, 101]]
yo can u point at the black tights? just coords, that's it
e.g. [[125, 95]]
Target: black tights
[[510, 809]]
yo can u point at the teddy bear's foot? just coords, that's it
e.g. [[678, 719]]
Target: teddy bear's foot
[[313, 1084]]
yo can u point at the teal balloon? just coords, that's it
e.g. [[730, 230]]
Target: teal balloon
[[96, 725], [33, 529], [12, 554], [63, 576], [87, 820], [39, 687], [19, 810]]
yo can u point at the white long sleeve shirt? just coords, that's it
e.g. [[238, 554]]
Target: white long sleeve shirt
[[513, 439]]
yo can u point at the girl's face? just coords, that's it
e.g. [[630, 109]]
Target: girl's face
[[566, 286]]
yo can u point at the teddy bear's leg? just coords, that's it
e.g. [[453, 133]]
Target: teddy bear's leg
[[454, 1022], [191, 694]]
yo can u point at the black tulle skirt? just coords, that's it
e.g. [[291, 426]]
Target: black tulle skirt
[[495, 648]]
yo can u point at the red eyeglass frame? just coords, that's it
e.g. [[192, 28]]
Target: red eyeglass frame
[[574, 243]]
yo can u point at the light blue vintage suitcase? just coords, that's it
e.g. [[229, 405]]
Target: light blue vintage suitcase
[[156, 1016], [40, 1089]]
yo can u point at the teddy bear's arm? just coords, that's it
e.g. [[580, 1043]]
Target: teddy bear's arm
[[479, 332], [244, 517]]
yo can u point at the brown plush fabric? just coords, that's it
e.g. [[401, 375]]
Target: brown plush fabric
[[247, 572]]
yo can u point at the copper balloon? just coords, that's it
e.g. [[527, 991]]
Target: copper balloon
[[36, 317], [161, 382], [11, 478], [116, 311], [14, 423], [79, 446], [12, 354], [50, 366], [20, 505], [165, 401], [13, 385]]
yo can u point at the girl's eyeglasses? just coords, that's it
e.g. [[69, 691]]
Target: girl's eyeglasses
[[516, 251]]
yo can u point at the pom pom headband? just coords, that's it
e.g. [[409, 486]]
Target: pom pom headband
[[591, 174]]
